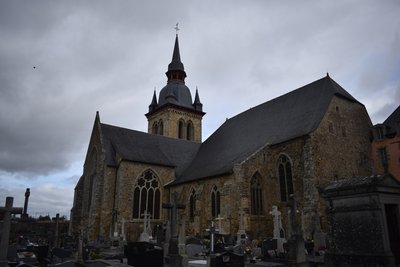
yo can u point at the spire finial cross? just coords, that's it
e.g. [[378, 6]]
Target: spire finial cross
[[176, 28]]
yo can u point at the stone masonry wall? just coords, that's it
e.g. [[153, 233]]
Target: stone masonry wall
[[127, 175], [340, 147], [171, 116]]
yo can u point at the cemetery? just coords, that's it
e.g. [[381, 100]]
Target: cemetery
[[363, 217]]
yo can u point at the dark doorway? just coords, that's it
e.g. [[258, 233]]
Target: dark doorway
[[392, 219]]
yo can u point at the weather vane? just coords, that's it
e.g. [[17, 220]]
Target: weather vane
[[176, 28]]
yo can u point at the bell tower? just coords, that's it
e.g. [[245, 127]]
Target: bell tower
[[175, 114]]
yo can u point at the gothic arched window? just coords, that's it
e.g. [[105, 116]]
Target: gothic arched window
[[215, 202], [285, 177], [147, 196], [192, 204], [181, 129], [154, 129], [190, 131], [160, 127], [256, 195]]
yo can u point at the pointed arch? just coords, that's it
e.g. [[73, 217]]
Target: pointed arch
[[215, 201], [285, 177], [256, 195], [147, 195]]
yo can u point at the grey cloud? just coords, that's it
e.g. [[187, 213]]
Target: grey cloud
[[108, 57]]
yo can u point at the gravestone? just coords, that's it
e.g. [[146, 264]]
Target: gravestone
[[182, 237], [195, 251], [226, 259], [241, 234], [143, 254], [7, 211], [296, 253], [363, 217], [278, 229], [173, 250]]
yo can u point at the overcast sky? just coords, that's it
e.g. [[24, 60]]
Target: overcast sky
[[61, 61]]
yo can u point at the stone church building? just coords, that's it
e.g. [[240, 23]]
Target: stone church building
[[290, 146]]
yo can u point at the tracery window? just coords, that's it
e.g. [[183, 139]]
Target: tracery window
[[256, 195], [285, 177], [147, 196], [190, 131], [192, 204], [215, 202]]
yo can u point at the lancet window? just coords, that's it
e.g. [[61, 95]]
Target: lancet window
[[256, 195], [215, 202], [285, 177]]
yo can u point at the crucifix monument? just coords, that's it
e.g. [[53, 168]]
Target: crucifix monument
[[241, 234], [212, 230], [145, 235], [172, 245], [278, 233], [7, 211], [25, 212]]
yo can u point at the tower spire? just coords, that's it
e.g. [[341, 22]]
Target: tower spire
[[176, 70]]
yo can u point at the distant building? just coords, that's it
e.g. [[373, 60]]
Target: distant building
[[291, 145], [386, 145]]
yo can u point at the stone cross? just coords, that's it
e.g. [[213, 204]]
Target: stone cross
[[212, 230], [146, 221], [27, 194], [145, 235], [241, 234], [276, 218], [173, 206], [7, 211], [219, 219]]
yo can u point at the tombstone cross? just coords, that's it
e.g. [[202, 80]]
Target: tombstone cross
[[146, 222], [7, 211], [173, 206], [276, 217], [212, 230]]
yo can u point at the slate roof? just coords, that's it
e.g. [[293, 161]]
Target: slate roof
[[146, 148], [289, 116], [393, 120], [355, 185]]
